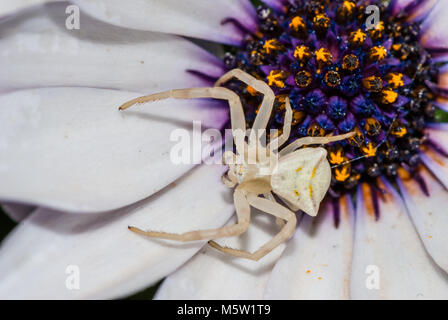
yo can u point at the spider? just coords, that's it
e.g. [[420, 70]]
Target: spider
[[300, 178]]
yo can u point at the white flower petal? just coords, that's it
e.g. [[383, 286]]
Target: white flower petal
[[434, 161], [194, 18], [434, 26], [112, 261], [418, 10], [17, 211], [11, 7], [72, 149], [38, 51], [389, 260], [317, 261], [214, 275], [429, 215], [275, 4]]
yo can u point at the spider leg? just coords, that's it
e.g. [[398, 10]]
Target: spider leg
[[286, 127], [285, 233], [237, 117], [264, 113], [313, 140], [243, 213]]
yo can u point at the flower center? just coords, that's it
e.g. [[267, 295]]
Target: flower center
[[341, 77]]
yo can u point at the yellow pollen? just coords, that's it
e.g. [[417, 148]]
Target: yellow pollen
[[296, 192], [275, 78], [389, 96], [342, 174], [302, 52], [251, 90], [396, 47], [369, 150], [298, 169], [380, 26], [358, 36], [323, 55], [322, 19], [336, 157], [401, 132], [349, 5], [395, 79], [270, 45], [319, 278], [378, 53], [308, 271], [311, 190], [296, 23]]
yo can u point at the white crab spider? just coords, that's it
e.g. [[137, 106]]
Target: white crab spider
[[301, 178]]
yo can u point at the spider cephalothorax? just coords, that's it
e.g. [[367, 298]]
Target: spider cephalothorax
[[299, 177]]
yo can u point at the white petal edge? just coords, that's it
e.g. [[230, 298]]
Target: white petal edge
[[112, 261], [73, 150], [214, 275], [16, 211], [434, 161], [12, 7], [36, 50], [317, 262], [434, 26], [389, 260], [193, 18], [428, 215]]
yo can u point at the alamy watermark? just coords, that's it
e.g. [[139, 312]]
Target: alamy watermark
[[73, 279], [73, 21]]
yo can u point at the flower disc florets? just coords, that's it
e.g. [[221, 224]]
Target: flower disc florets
[[342, 77]]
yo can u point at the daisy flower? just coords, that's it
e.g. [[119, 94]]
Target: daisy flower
[[75, 172]]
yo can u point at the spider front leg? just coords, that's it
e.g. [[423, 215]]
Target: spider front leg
[[237, 117], [285, 233], [313, 140], [243, 214], [279, 141], [264, 113]]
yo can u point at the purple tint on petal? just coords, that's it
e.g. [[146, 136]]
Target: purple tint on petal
[[436, 170], [336, 212], [437, 147], [290, 80], [267, 69], [422, 184], [203, 76], [277, 5], [242, 28], [401, 101], [438, 125], [375, 202]]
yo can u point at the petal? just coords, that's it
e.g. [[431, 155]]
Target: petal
[[428, 215], [11, 7], [72, 149], [434, 26], [277, 5], [38, 51], [40, 257], [389, 260], [434, 161], [416, 9], [214, 275], [17, 211], [317, 261], [194, 18]]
